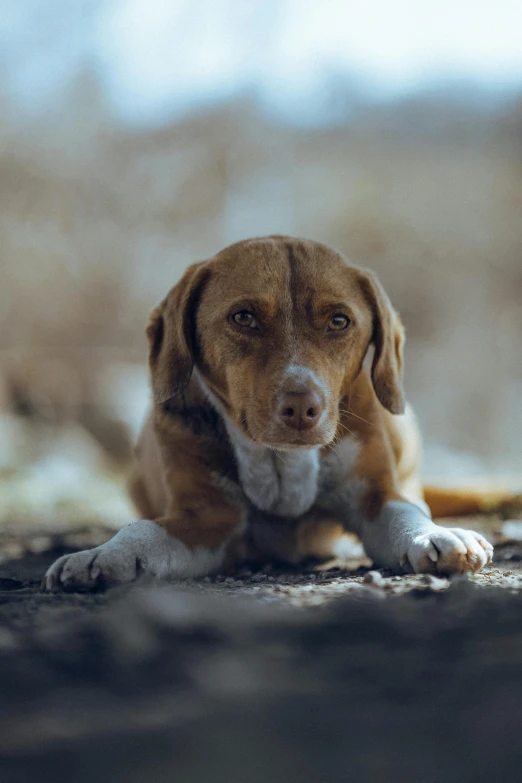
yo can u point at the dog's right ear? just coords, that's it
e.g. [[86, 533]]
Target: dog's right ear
[[172, 334]]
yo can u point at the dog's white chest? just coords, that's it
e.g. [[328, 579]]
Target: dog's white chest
[[283, 483]]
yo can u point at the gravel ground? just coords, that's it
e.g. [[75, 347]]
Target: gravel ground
[[261, 675], [25, 555]]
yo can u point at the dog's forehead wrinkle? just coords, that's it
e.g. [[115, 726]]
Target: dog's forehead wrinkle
[[267, 288], [273, 251], [293, 273], [296, 275]]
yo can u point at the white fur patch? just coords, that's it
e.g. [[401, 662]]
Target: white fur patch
[[280, 482], [303, 375], [347, 547], [404, 537], [141, 547]]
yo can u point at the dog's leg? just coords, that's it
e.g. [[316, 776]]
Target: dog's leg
[[176, 547], [402, 536], [377, 498]]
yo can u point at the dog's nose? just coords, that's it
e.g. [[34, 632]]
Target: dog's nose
[[300, 410]]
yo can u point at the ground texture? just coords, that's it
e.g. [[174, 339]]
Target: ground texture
[[267, 675]]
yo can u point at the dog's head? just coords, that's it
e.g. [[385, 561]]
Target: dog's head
[[277, 329]]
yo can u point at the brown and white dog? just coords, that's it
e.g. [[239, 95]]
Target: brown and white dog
[[267, 436]]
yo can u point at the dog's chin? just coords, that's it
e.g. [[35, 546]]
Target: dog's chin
[[297, 441], [294, 446]]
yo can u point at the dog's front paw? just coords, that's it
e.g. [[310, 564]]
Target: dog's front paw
[[141, 547], [444, 550], [93, 568]]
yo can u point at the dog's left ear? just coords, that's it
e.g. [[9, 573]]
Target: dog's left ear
[[172, 334], [388, 340]]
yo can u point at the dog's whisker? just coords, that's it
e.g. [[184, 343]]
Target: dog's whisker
[[344, 427], [276, 452], [348, 412], [356, 415], [332, 447]]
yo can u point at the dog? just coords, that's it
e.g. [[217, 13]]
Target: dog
[[268, 437]]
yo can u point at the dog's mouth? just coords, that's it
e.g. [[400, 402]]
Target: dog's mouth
[[295, 445], [275, 437]]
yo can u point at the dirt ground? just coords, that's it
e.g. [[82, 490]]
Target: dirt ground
[[272, 674]]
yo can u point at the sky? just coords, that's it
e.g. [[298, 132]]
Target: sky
[[158, 59]]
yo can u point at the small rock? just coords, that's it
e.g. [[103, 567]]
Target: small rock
[[373, 578], [433, 582]]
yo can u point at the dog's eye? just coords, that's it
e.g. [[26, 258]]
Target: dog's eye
[[338, 322], [246, 319]]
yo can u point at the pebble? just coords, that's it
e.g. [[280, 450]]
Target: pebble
[[373, 578]]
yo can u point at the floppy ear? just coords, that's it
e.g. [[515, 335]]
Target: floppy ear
[[172, 335], [388, 340]]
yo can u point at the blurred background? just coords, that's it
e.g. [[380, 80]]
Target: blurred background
[[138, 136]]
